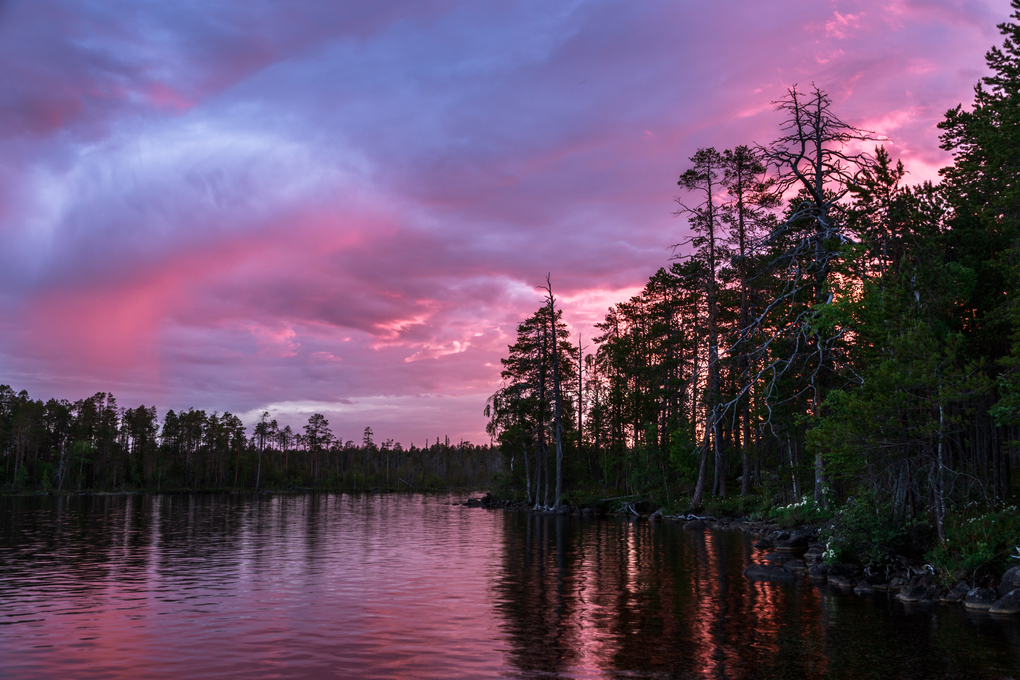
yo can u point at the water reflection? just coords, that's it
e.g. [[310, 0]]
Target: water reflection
[[409, 586], [584, 598], [303, 586]]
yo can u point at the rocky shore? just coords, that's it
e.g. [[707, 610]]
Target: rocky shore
[[797, 555], [788, 556]]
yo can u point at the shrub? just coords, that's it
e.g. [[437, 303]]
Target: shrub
[[978, 543], [804, 511], [736, 506], [867, 532]]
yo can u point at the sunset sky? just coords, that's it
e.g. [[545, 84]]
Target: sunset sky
[[345, 207]]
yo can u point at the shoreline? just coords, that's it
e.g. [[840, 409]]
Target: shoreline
[[796, 555]]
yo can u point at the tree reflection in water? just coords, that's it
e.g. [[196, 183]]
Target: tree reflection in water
[[597, 598]]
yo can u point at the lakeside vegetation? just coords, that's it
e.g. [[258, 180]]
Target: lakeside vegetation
[[94, 445], [832, 344]]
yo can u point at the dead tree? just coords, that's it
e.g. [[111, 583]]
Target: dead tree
[[557, 403], [813, 166]]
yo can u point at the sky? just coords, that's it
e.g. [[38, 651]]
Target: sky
[[347, 207]]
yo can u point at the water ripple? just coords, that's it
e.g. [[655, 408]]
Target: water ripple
[[408, 586]]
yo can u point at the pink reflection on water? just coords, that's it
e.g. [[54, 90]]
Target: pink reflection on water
[[295, 585]]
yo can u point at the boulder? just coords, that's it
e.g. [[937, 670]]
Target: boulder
[[769, 572], [795, 565], [864, 588], [958, 592], [980, 598], [696, 525], [814, 554], [842, 568], [793, 545], [818, 573], [916, 592], [1007, 604], [775, 557], [1010, 581], [842, 580], [763, 543]]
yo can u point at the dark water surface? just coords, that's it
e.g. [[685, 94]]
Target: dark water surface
[[409, 586]]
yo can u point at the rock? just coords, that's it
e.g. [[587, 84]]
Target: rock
[[793, 545], [1007, 604], [782, 536], [842, 570], [474, 503], [864, 588], [795, 565], [769, 572], [775, 557], [913, 593], [587, 511], [819, 573], [814, 554], [916, 590], [842, 580], [980, 598], [958, 592], [897, 583], [1010, 581], [696, 525], [763, 544]]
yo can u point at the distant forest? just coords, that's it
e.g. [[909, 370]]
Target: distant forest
[[830, 330], [94, 445]]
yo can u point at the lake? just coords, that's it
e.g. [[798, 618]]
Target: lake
[[410, 586]]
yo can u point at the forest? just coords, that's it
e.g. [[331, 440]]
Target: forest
[[832, 338], [94, 445]]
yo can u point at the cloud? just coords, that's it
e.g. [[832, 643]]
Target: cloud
[[256, 206]]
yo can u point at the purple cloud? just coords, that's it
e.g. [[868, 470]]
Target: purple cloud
[[346, 208]]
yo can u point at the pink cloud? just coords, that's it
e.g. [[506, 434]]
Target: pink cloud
[[348, 207]]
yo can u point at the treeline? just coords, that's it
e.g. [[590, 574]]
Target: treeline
[[95, 445], [828, 331]]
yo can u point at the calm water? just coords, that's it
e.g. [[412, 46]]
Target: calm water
[[409, 586]]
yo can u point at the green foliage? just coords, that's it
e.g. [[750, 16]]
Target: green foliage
[[866, 531], [753, 505], [804, 511], [979, 543]]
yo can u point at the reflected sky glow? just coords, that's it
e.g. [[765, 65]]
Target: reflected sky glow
[[410, 586]]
